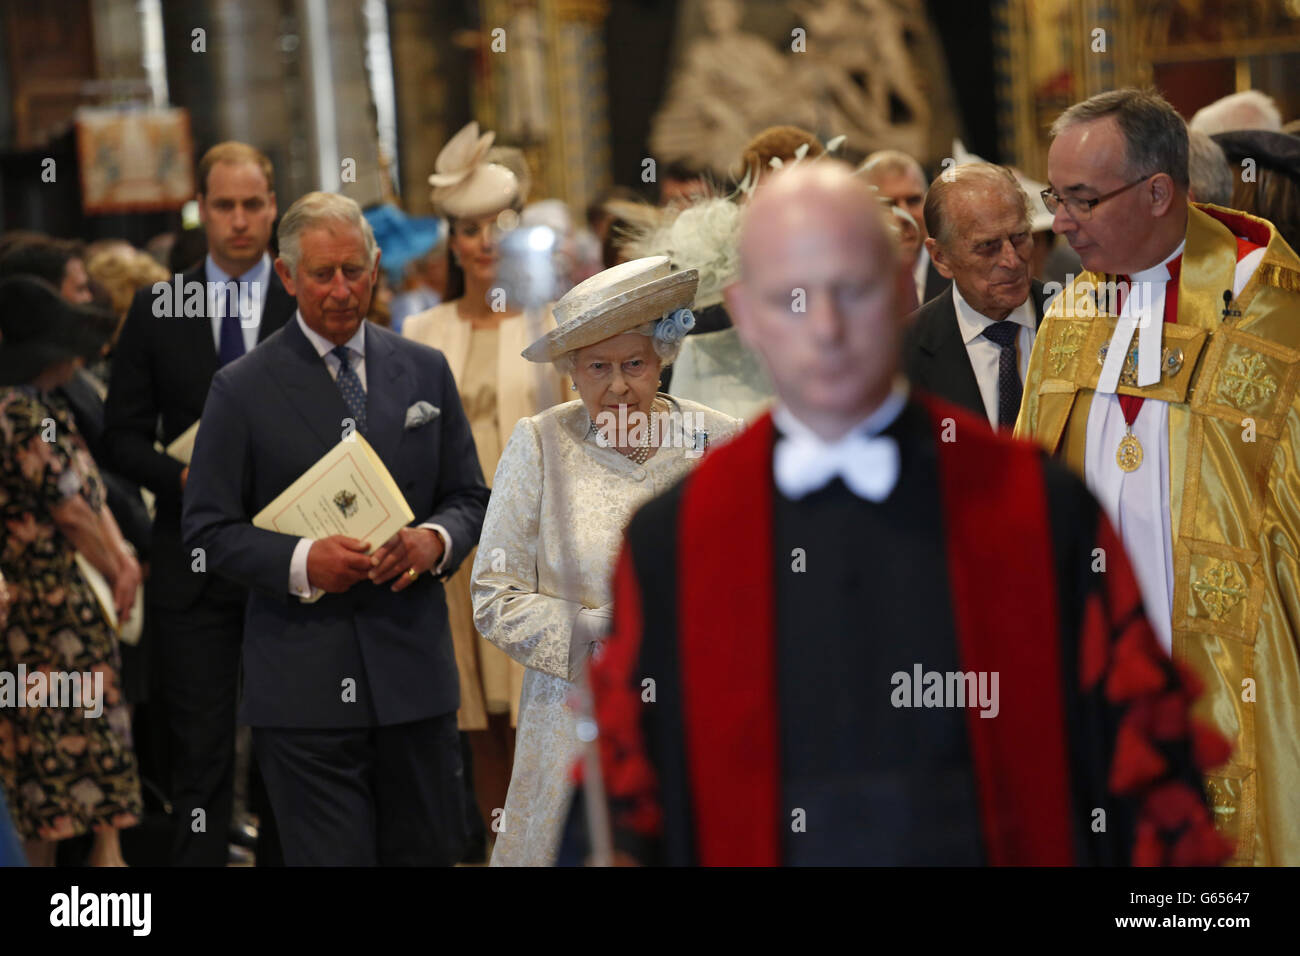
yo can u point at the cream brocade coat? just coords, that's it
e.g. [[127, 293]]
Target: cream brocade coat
[[522, 388], [552, 533]]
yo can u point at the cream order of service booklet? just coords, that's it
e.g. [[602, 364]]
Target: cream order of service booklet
[[182, 448], [349, 492]]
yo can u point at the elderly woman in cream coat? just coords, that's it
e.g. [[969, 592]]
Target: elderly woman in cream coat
[[568, 481], [483, 340]]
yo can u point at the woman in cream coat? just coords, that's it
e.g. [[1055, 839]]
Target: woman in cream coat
[[497, 388], [568, 481]]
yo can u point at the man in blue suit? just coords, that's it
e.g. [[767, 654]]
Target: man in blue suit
[[350, 683]]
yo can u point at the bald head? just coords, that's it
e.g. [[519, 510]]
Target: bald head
[[826, 195], [820, 282]]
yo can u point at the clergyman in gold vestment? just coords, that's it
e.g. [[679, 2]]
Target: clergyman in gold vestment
[[1201, 476]]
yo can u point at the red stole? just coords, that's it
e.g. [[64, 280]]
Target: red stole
[[999, 551]]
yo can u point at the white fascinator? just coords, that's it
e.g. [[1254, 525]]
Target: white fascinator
[[466, 183]]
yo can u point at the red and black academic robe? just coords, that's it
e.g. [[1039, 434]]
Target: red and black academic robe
[[751, 699]]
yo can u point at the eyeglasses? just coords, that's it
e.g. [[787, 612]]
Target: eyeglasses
[[1081, 209]]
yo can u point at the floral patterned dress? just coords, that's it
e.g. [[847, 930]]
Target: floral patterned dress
[[66, 764]]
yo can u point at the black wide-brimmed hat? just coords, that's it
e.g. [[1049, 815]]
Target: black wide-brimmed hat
[[1279, 151], [39, 328]]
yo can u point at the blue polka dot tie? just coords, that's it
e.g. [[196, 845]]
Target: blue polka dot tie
[[354, 396], [1004, 334]]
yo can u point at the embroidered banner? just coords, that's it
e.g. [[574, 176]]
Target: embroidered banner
[[134, 160]]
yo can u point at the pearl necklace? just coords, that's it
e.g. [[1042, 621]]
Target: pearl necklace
[[641, 453]]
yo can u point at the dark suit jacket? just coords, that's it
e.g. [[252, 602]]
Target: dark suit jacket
[[162, 368], [935, 357], [269, 417], [122, 495]]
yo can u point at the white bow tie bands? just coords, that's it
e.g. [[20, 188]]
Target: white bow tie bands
[[867, 464]]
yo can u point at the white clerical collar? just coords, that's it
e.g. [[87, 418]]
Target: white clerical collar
[[324, 346], [1160, 271], [259, 273], [972, 323], [873, 424], [1143, 308]]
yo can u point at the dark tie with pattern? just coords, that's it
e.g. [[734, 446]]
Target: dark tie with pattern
[[354, 396], [1003, 334], [232, 333]]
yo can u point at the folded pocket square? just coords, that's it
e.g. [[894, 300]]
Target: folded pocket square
[[421, 413]]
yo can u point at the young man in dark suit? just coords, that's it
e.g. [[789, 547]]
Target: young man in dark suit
[[173, 341], [971, 343], [350, 683]]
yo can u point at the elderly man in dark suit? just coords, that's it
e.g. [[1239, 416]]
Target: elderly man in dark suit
[[971, 344], [172, 343], [349, 680]]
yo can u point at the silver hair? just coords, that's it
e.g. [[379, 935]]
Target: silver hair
[[1155, 136], [667, 351], [1249, 109], [962, 179], [315, 209], [1208, 170], [892, 162]]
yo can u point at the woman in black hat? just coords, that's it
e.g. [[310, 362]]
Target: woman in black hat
[[66, 762], [1267, 180]]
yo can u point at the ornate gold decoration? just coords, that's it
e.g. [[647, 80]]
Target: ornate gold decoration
[[1171, 363], [1129, 453], [1246, 382], [1220, 801], [1220, 589], [1066, 346]]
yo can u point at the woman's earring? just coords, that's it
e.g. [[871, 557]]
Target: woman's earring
[[573, 387]]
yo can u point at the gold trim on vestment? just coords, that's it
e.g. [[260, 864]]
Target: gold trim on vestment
[[1234, 460]]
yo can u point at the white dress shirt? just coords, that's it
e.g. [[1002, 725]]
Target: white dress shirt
[[252, 288], [919, 271], [984, 353], [298, 583], [801, 452], [1137, 502]]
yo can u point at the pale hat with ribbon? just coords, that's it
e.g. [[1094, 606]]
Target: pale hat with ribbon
[[466, 183], [617, 301]]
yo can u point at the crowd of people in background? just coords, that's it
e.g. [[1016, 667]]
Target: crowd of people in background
[[98, 390]]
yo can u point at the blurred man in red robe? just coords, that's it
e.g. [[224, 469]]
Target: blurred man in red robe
[[868, 630]]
